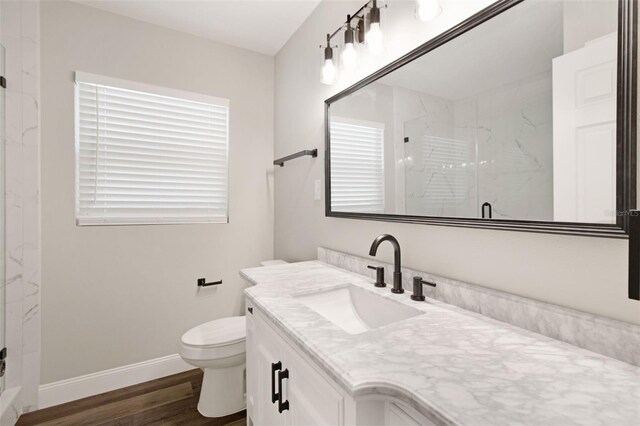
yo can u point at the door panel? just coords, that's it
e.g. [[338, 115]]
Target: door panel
[[269, 350], [312, 399], [584, 127], [595, 172]]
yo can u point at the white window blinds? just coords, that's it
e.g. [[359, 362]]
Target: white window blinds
[[448, 168], [357, 166], [149, 155]]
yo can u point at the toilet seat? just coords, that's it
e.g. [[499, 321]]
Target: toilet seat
[[220, 332], [221, 338]]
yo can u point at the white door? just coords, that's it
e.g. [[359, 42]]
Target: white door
[[584, 133]]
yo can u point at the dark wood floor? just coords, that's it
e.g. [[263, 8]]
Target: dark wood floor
[[167, 401]]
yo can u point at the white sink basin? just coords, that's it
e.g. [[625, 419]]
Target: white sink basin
[[356, 310]]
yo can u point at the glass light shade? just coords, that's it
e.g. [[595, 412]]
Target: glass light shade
[[427, 10], [329, 72], [349, 57], [375, 38]]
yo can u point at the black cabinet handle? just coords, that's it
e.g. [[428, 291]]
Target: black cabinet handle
[[275, 396], [250, 309], [282, 405]]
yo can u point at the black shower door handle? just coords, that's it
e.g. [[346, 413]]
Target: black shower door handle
[[490, 210]]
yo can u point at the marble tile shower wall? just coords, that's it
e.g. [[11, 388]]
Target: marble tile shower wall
[[19, 33], [426, 138], [492, 147], [616, 339], [515, 153]]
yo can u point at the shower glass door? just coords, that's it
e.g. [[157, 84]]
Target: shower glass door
[[483, 156], [2, 216], [441, 166]]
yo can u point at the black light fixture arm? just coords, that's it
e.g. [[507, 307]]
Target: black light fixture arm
[[359, 14]]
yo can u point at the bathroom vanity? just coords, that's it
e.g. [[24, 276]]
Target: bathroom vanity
[[310, 360], [293, 390], [284, 386]]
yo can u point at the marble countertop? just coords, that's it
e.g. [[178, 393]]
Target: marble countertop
[[452, 365]]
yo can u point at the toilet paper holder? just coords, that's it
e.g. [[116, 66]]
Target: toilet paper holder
[[202, 282]]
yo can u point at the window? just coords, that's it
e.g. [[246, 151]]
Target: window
[[357, 166], [149, 155]]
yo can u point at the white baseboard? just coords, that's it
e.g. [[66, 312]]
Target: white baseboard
[[104, 381]]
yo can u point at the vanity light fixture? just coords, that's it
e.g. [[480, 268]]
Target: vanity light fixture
[[370, 34], [427, 10], [329, 72], [374, 36], [349, 53]]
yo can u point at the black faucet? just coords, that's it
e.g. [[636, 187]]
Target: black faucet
[[397, 274]]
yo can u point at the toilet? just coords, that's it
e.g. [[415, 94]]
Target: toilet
[[218, 348]]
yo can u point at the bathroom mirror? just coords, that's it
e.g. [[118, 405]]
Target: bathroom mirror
[[521, 118]]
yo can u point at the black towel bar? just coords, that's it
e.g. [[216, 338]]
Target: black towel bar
[[280, 161]]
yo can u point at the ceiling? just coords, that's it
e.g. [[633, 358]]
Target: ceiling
[[514, 45], [262, 26]]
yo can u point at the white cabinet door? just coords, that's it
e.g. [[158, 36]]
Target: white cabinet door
[[313, 400], [584, 133], [267, 350]]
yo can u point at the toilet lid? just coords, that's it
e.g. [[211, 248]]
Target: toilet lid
[[220, 332]]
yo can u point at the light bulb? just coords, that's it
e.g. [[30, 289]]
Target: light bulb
[[349, 57], [427, 10], [329, 73], [374, 38]]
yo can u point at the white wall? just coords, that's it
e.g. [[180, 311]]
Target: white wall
[[123, 294], [585, 20], [588, 274]]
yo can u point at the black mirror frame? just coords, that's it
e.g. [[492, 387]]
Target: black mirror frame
[[625, 127]]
